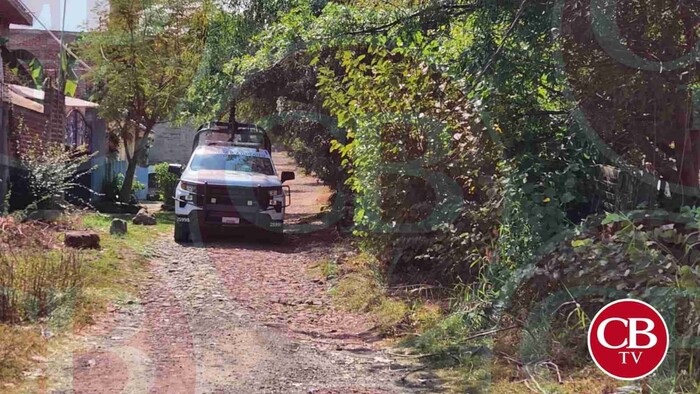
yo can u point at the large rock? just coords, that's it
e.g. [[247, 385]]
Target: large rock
[[82, 240], [118, 227], [143, 218]]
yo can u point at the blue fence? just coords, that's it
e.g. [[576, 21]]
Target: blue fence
[[119, 167]]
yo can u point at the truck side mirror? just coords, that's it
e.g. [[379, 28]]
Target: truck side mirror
[[175, 169], [287, 176]]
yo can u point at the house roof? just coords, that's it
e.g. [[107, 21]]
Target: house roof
[[14, 11], [29, 98]]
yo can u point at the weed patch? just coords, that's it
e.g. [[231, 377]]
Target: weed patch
[[43, 284], [389, 314], [327, 269], [425, 316], [18, 346], [358, 293], [35, 283], [358, 288]]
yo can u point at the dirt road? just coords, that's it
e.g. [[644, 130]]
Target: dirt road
[[239, 316]]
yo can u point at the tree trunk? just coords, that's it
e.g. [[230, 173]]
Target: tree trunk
[[133, 161], [128, 185]]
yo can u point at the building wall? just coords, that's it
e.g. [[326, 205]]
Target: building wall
[[4, 28], [171, 144], [27, 126]]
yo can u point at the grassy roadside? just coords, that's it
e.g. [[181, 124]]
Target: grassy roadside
[[358, 286], [438, 328], [115, 271], [108, 276]]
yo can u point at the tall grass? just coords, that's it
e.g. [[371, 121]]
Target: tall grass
[[34, 283], [36, 277]]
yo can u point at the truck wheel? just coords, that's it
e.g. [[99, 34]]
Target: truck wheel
[[182, 233]]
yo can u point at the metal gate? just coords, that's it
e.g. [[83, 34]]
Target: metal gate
[[78, 132]]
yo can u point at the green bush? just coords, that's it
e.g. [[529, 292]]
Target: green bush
[[412, 163], [648, 255], [46, 174], [167, 183], [112, 186]]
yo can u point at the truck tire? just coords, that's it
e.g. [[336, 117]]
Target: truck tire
[[182, 233]]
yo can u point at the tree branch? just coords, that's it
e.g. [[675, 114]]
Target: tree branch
[[463, 9], [510, 30]]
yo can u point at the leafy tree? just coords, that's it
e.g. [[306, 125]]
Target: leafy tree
[[505, 60], [143, 56], [230, 36]]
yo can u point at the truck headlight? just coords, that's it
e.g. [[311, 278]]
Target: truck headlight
[[188, 187]]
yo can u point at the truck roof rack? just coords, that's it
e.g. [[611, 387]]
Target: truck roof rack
[[238, 134]]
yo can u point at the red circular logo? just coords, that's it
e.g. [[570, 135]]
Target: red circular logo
[[628, 339]]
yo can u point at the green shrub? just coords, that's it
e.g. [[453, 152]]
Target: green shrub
[[167, 183], [46, 174], [112, 185], [648, 255], [412, 163]]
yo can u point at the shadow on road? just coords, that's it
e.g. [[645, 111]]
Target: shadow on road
[[253, 240]]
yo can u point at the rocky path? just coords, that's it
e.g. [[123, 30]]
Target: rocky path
[[239, 316]]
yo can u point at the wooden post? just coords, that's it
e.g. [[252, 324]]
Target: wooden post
[[4, 138]]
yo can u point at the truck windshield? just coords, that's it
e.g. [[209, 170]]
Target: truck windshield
[[232, 162]]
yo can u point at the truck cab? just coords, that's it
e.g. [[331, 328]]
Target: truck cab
[[230, 183]]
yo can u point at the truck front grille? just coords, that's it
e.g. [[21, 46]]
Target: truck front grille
[[234, 196]]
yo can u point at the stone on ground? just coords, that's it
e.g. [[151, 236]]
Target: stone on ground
[[143, 218], [82, 240], [118, 227]]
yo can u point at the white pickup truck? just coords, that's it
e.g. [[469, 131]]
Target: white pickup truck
[[230, 183]]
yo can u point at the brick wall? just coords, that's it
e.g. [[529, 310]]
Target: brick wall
[[40, 43], [27, 126], [46, 49]]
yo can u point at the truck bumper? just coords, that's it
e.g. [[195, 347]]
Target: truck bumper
[[220, 220]]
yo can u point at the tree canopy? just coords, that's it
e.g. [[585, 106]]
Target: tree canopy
[[144, 56], [470, 135]]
